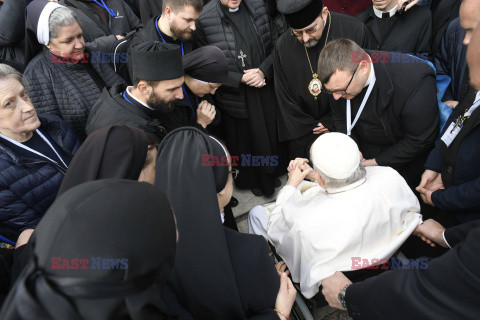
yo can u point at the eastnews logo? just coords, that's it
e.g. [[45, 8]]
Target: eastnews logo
[[245, 160], [92, 263], [389, 57], [392, 263]]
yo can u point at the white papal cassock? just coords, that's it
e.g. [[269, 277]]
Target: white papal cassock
[[318, 231]]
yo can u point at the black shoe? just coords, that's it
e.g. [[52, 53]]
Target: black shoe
[[277, 183], [257, 192], [233, 202]]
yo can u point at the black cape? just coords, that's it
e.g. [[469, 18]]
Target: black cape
[[112, 152], [299, 112], [115, 225], [210, 276]]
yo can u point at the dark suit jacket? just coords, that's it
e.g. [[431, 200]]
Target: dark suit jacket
[[448, 289], [400, 119], [407, 33]]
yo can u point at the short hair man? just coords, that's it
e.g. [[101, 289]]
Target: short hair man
[[175, 25], [350, 213], [304, 111], [158, 80], [390, 30], [385, 101]]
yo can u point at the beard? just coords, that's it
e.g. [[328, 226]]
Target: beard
[[183, 35], [160, 105]]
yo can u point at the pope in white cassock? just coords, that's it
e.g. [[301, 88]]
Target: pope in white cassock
[[349, 212]]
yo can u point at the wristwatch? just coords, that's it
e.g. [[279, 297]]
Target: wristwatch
[[341, 296]]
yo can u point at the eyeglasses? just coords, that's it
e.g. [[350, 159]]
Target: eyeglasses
[[234, 173], [344, 91], [213, 89], [308, 31]]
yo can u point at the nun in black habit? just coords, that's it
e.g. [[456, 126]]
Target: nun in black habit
[[92, 256], [116, 152], [219, 273]]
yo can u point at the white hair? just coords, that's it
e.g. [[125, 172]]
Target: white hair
[[60, 17], [359, 174]]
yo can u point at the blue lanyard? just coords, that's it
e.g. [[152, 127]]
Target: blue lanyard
[[125, 97], [104, 6], [183, 53], [7, 241]]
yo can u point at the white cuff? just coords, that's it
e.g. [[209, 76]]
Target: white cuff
[[444, 239]]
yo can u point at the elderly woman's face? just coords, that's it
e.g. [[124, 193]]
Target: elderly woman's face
[[69, 43], [18, 118], [232, 4]]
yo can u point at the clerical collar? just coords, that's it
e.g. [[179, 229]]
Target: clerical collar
[[130, 95], [372, 74], [233, 10], [346, 188], [379, 13]]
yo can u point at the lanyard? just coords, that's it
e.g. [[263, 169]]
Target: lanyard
[[18, 144], [350, 125], [183, 85], [104, 6], [128, 100], [7, 241]]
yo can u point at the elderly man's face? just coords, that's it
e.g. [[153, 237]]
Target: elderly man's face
[[17, 114], [182, 23], [69, 43], [469, 17], [311, 34]]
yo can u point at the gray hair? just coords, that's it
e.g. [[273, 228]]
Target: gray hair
[[359, 174], [7, 72], [60, 17]]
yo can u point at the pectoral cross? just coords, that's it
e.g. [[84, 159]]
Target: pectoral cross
[[459, 122], [242, 56]]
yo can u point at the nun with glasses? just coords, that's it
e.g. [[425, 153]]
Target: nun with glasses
[[219, 273], [92, 256], [64, 78]]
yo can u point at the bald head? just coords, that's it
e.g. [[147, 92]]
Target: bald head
[[469, 17], [473, 59]]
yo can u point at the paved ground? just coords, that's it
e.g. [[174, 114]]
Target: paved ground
[[246, 202]]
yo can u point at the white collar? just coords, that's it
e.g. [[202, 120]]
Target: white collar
[[346, 188], [371, 75], [233, 10], [136, 99], [378, 13]]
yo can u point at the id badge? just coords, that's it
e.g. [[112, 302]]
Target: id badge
[[450, 135]]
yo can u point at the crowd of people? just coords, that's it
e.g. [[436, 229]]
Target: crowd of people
[[125, 124]]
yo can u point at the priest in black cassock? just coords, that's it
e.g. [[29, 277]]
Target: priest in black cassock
[[247, 101], [392, 30], [304, 111], [388, 107], [158, 79]]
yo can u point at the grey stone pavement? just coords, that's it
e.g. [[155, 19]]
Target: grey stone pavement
[[246, 202]]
